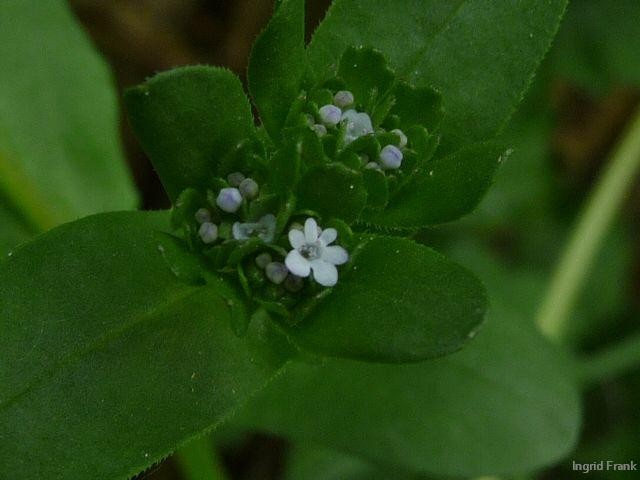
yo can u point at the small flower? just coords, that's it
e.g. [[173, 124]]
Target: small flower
[[276, 272], [229, 200], [391, 157], [263, 260], [358, 124], [264, 229], [330, 115], [203, 215], [235, 179], [313, 252], [343, 98], [401, 136], [208, 232], [249, 188]]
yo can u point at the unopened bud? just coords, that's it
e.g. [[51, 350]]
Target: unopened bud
[[249, 188], [372, 166], [229, 200], [276, 272], [203, 215], [208, 232], [320, 129], [330, 115], [402, 136], [263, 260], [343, 98], [235, 179], [391, 157]]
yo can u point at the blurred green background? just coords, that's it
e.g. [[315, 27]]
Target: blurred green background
[[575, 111]]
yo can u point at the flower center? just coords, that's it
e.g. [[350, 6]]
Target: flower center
[[310, 251]]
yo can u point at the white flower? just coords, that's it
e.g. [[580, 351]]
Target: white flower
[[229, 200], [264, 229], [313, 252], [358, 124]]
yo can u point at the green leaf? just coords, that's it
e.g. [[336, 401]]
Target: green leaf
[[332, 191], [480, 55], [506, 404], [284, 169], [396, 302], [12, 230], [377, 187], [365, 73], [187, 120], [445, 190], [60, 156], [107, 360], [277, 65], [417, 106]]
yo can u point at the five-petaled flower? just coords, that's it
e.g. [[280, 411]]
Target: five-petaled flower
[[313, 253]]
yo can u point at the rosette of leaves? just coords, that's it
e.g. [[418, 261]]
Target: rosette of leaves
[[395, 300], [124, 334]]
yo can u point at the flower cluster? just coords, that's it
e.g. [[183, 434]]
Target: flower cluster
[[339, 159], [229, 200], [288, 259], [342, 115]]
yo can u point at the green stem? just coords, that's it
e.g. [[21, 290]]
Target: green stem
[[198, 461], [594, 222], [612, 361]]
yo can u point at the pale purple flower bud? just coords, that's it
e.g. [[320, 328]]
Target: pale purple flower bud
[[401, 136], [391, 157], [276, 272], [249, 188], [208, 232], [263, 260], [343, 98], [203, 215], [330, 115], [235, 179], [229, 200]]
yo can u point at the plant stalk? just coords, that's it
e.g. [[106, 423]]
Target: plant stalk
[[597, 216], [612, 361]]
